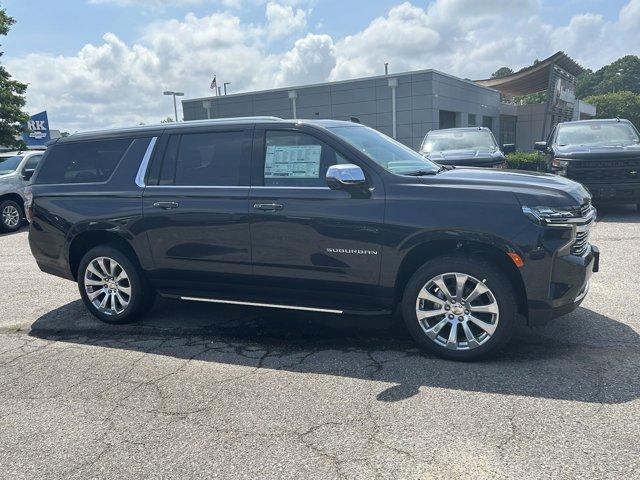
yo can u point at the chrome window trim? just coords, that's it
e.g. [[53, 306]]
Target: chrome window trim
[[238, 186], [144, 165], [289, 188], [200, 186]]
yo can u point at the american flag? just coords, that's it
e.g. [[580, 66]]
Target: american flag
[[214, 84]]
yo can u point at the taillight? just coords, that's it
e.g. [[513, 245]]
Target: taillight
[[559, 166]]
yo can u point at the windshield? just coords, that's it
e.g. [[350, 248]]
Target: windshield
[[385, 151], [597, 134], [442, 141], [9, 164]]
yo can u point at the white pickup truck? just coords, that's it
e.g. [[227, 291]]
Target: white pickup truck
[[16, 169]]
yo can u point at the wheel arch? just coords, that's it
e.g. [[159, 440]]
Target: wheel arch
[[85, 241], [16, 197], [421, 253]]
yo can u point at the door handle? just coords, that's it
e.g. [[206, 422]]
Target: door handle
[[268, 207], [166, 205]]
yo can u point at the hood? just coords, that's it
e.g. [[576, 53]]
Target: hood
[[8, 177], [11, 183], [596, 153], [467, 157], [531, 188]]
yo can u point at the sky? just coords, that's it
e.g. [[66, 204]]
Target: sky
[[105, 63]]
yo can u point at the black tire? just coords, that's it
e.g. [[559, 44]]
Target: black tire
[[496, 281], [5, 227], [142, 295]]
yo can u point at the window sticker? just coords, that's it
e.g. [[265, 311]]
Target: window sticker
[[297, 161]]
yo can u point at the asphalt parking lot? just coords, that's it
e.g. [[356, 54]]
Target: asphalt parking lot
[[228, 392]]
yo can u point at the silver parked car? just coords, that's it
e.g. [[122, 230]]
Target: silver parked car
[[16, 169]]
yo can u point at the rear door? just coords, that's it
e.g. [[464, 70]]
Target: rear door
[[196, 208], [322, 246]]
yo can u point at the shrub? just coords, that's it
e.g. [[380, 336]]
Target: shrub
[[526, 161], [618, 104]]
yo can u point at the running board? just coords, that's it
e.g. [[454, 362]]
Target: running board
[[265, 305]]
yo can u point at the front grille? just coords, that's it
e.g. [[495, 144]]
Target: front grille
[[581, 243], [611, 171]]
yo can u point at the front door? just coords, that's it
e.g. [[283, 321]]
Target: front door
[[196, 211], [321, 245]]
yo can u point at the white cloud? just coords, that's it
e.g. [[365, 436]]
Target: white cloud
[[284, 20], [121, 83], [309, 61]]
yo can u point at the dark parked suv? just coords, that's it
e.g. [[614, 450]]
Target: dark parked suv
[[322, 216], [467, 146], [604, 155]]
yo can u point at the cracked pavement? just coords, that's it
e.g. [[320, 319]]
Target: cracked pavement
[[200, 390]]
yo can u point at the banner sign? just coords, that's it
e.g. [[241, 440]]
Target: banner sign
[[36, 131]]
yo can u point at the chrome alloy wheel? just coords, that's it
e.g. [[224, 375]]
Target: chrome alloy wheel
[[107, 286], [10, 216], [457, 311]]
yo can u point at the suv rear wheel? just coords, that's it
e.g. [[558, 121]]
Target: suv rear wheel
[[460, 307], [11, 216], [112, 286]]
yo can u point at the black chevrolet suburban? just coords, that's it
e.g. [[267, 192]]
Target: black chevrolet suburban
[[323, 216], [604, 155]]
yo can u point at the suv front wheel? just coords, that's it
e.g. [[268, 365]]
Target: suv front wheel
[[460, 307], [112, 286]]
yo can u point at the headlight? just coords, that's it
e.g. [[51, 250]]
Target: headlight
[[554, 216], [559, 166]]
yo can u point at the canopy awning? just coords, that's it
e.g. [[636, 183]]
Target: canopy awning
[[532, 79]]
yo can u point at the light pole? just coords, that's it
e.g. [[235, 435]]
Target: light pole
[[175, 106], [225, 87]]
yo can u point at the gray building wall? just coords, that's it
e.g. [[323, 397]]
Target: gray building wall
[[420, 96], [530, 122]]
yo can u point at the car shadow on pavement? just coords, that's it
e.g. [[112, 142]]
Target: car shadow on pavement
[[23, 228], [583, 357]]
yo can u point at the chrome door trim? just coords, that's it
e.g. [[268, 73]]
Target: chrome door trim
[[266, 305]]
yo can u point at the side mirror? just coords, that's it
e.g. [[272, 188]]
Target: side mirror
[[508, 148], [27, 174], [541, 146], [341, 177]]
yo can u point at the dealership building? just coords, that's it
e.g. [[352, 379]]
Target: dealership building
[[407, 105]]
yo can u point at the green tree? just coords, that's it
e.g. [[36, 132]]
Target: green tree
[[502, 72], [620, 75], [12, 99], [617, 105]]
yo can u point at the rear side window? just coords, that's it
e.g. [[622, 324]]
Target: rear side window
[[206, 159], [87, 162]]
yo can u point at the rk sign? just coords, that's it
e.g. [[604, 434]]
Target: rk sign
[[36, 132]]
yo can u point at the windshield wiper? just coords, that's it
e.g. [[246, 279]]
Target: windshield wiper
[[418, 173]]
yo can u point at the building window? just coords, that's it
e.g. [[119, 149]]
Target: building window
[[487, 122], [447, 119], [472, 120]]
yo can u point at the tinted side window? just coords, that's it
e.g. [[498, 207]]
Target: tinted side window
[[87, 162], [206, 159], [295, 159]]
